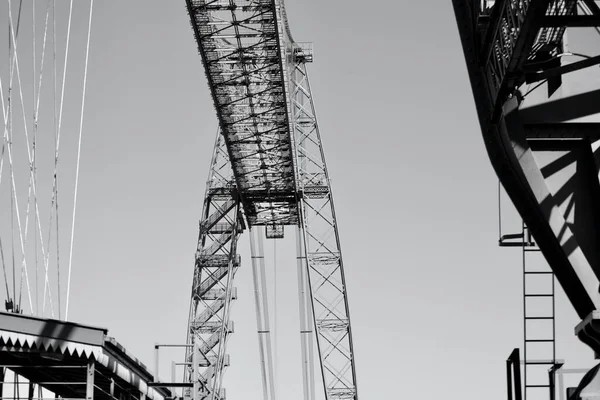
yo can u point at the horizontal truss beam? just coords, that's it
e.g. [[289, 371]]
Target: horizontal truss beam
[[588, 130], [571, 21]]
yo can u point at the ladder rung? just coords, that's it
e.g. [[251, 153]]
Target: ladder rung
[[539, 317], [539, 340], [539, 272], [540, 295], [539, 363]]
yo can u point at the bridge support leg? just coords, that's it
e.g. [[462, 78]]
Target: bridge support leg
[[321, 248], [306, 319], [217, 261]]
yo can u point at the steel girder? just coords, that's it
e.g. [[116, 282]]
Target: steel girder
[[242, 49], [217, 261], [321, 245], [552, 183]]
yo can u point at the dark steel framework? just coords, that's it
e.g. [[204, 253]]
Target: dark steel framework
[[268, 169], [508, 43]]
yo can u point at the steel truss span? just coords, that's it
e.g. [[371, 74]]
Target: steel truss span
[[268, 169]]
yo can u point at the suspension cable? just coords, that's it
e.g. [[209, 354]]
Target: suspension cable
[[13, 187], [36, 108], [35, 247], [4, 145], [15, 37], [60, 113], [9, 128], [32, 187], [39, 224], [53, 206], [4, 270], [87, 52], [275, 330]]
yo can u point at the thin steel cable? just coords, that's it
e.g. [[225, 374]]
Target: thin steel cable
[[4, 270], [12, 177], [37, 108], [15, 66], [275, 330], [35, 247], [13, 38], [4, 143], [56, 148], [87, 52], [60, 113], [39, 243]]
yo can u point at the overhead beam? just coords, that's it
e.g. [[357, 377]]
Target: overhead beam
[[571, 21], [583, 130], [564, 109], [576, 66]]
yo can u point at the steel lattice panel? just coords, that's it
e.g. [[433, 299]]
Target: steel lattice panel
[[240, 45]]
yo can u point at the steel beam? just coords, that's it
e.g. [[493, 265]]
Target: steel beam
[[563, 109], [571, 21], [581, 130], [558, 71]]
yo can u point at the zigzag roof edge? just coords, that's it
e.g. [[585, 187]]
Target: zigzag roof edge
[[16, 340]]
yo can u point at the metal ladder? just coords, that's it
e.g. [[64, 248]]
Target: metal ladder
[[542, 315], [539, 325]]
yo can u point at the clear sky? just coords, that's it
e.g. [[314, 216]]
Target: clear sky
[[435, 304]]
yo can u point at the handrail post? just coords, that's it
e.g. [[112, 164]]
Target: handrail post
[[515, 361]]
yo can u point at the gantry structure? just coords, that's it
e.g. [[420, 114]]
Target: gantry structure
[[545, 157], [267, 172]]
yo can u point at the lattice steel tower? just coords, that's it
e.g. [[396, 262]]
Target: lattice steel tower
[[268, 170]]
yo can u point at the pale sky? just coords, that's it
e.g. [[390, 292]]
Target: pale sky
[[436, 305]]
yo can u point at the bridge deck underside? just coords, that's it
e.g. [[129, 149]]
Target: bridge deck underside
[[240, 45]]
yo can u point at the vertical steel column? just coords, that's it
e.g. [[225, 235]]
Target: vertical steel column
[[262, 312], [216, 263], [326, 279], [306, 319], [89, 383], [195, 371]]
